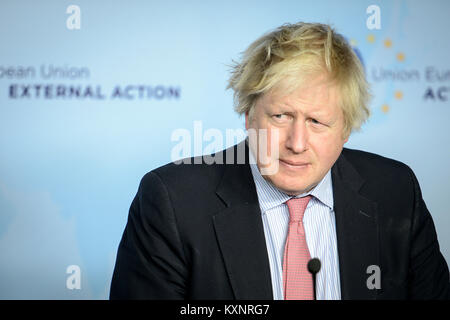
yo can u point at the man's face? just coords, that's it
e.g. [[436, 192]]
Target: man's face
[[310, 129]]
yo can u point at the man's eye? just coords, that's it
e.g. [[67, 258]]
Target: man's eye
[[314, 121], [279, 116]]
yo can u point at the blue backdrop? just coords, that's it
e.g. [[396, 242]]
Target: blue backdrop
[[90, 97]]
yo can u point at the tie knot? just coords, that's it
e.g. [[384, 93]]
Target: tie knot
[[297, 207]]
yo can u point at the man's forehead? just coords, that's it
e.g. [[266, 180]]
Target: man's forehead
[[319, 83], [316, 94]]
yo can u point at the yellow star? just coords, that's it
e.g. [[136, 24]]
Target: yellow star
[[400, 56], [398, 95], [385, 108], [388, 43], [371, 38]]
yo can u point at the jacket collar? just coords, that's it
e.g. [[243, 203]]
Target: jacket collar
[[356, 229], [240, 233]]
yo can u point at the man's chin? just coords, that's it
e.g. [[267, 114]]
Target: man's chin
[[295, 192], [290, 188]]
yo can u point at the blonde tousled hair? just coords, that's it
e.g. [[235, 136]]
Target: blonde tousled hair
[[293, 52]]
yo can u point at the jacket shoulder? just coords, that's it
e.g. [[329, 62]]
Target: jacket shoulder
[[189, 177], [202, 172], [373, 166], [383, 176]]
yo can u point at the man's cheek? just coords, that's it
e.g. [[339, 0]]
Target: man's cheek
[[272, 151]]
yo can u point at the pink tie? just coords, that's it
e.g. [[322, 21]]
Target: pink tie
[[296, 278]]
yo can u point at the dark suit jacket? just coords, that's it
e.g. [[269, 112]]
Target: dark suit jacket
[[195, 231]]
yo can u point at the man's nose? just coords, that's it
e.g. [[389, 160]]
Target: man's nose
[[297, 137]]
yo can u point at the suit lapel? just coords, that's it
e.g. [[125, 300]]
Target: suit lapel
[[357, 231], [240, 234]]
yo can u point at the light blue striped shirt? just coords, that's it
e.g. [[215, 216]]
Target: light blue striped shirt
[[320, 231]]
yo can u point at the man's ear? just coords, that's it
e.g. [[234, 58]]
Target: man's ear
[[346, 138]]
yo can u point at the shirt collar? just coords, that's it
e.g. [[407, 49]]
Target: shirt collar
[[270, 196]]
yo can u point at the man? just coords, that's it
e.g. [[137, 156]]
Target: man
[[247, 229]]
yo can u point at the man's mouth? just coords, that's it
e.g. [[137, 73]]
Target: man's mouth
[[294, 164]]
